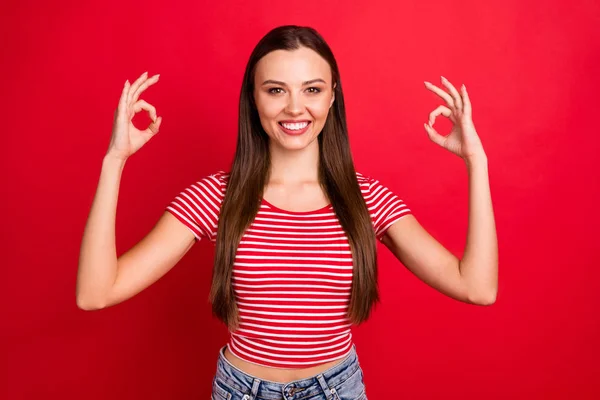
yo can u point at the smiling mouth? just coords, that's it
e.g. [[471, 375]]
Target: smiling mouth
[[295, 126]]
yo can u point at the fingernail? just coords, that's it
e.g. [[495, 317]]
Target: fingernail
[[444, 79], [145, 73]]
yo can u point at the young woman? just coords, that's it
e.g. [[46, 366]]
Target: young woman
[[295, 261]]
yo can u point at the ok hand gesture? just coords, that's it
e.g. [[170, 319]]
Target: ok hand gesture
[[463, 139], [126, 138]]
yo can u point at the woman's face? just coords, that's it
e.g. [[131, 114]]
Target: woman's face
[[293, 94]]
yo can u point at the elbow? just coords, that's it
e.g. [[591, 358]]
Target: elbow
[[89, 299], [488, 301], [82, 305], [86, 304], [483, 299]]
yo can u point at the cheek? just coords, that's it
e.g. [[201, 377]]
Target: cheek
[[269, 108], [319, 109]]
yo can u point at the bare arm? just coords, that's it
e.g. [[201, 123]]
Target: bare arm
[[474, 279], [102, 278], [150, 258], [98, 256]]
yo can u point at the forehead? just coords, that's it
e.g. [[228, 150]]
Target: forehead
[[292, 66]]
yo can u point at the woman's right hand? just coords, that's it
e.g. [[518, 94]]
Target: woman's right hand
[[126, 138]]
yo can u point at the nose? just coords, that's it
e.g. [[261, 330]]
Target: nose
[[294, 105]]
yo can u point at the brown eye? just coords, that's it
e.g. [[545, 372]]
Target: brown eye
[[272, 90], [316, 90]]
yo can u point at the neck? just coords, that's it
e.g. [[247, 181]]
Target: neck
[[294, 166]]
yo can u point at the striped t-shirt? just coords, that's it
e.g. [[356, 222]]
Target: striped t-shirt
[[292, 273]]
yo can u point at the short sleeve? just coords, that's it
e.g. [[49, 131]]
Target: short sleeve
[[385, 207], [198, 206]]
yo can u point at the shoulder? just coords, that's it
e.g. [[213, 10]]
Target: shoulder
[[376, 193], [372, 184], [207, 188], [198, 205], [214, 183], [220, 178], [383, 204], [365, 182], [362, 178]]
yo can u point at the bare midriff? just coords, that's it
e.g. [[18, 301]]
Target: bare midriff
[[278, 375]]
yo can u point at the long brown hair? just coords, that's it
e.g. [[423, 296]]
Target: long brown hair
[[250, 172]]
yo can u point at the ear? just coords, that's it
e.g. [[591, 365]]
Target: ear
[[333, 96]]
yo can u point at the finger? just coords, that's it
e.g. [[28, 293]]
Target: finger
[[467, 102], [120, 110], [124, 93], [455, 95], [447, 98], [135, 85], [154, 127], [443, 110], [143, 87], [434, 136], [142, 105], [123, 99]]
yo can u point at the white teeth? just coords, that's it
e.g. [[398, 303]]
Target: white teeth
[[295, 126]]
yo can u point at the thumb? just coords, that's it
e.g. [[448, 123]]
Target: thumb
[[434, 135], [154, 126]]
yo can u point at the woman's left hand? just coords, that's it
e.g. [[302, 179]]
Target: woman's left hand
[[463, 139]]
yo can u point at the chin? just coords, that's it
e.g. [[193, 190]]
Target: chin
[[294, 143]]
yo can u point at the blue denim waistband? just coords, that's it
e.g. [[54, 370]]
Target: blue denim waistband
[[241, 381]]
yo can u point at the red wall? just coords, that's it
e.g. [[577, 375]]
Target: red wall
[[531, 69]]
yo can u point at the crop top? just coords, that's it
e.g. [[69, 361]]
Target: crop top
[[292, 272]]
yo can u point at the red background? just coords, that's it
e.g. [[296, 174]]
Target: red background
[[531, 69]]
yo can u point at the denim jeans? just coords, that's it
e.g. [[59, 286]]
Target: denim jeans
[[343, 381]]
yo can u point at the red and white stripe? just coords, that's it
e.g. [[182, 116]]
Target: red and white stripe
[[292, 273]]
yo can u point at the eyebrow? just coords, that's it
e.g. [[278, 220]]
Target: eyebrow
[[283, 83]]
